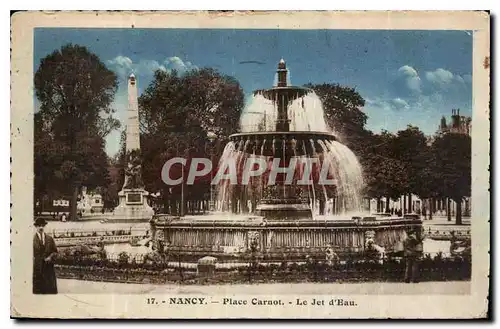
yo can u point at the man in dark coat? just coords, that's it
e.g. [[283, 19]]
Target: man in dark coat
[[44, 253], [413, 250]]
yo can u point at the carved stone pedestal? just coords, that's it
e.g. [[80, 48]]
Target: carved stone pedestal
[[133, 207]]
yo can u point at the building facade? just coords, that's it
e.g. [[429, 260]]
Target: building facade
[[459, 124]]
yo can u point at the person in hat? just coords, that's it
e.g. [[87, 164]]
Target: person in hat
[[413, 250], [44, 253]]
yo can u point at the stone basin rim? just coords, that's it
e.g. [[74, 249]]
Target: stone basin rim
[[313, 134], [303, 224]]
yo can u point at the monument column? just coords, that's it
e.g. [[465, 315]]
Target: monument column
[[133, 197], [133, 138]]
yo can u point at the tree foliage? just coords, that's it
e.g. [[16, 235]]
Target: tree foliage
[[384, 173], [410, 147], [452, 154], [178, 114], [75, 91], [452, 161], [342, 106]]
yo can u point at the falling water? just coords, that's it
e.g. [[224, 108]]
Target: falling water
[[346, 169], [224, 188], [260, 115], [305, 114]]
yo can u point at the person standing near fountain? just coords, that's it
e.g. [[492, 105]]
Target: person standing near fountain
[[44, 253], [413, 250]]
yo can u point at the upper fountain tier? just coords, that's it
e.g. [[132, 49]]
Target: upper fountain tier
[[282, 140], [282, 94]]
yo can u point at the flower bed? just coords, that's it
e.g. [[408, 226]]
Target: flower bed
[[351, 270]]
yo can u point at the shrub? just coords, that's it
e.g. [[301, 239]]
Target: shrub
[[123, 258]]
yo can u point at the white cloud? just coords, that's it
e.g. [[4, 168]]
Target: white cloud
[[147, 66], [175, 63], [444, 80], [440, 76], [122, 61], [390, 105], [124, 66], [440, 85], [400, 104], [408, 71], [410, 77]]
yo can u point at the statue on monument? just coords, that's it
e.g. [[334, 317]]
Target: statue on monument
[[133, 171]]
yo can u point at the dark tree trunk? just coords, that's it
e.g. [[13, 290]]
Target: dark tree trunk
[[164, 206], [459, 211], [184, 206], [410, 205], [321, 207], [387, 209], [448, 209], [244, 202], [378, 205], [431, 210], [173, 207], [404, 204], [72, 205], [234, 204]]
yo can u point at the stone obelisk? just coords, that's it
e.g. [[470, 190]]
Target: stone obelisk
[[132, 141], [133, 206]]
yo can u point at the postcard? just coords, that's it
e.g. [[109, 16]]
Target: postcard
[[257, 165]]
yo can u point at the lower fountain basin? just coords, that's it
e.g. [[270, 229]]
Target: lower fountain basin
[[192, 238]]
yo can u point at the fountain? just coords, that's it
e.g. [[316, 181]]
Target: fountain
[[290, 127], [284, 128]]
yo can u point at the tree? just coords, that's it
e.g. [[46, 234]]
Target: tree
[[452, 160], [411, 149], [384, 174], [177, 114], [46, 153], [342, 106], [75, 90], [116, 177]]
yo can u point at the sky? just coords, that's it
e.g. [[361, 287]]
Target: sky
[[405, 77]]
